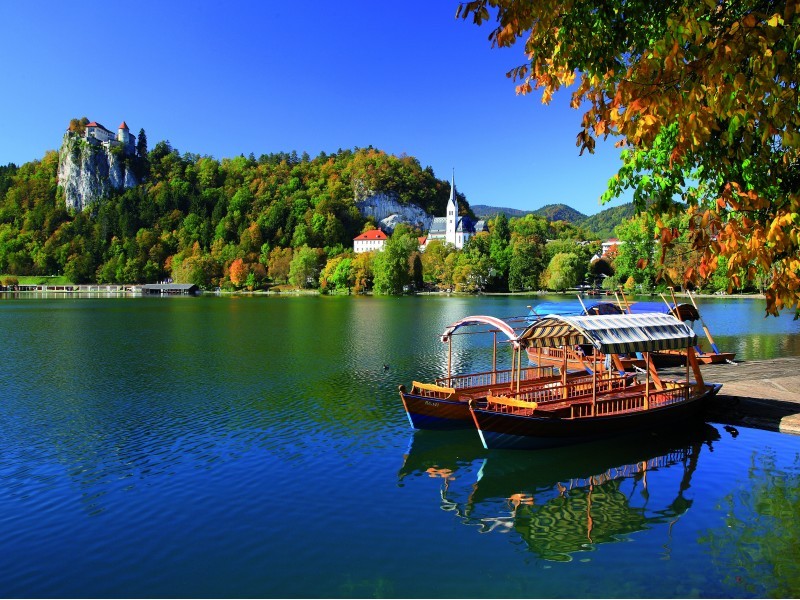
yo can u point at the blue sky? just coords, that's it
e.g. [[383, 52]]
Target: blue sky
[[229, 78]]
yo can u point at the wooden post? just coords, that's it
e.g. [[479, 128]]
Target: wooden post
[[691, 358], [449, 359], [647, 382], [539, 361], [594, 385], [564, 373], [519, 366], [494, 359]]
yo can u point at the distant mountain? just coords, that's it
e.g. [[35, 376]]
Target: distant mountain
[[602, 224], [560, 212], [482, 211]]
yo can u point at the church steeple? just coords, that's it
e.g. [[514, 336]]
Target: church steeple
[[452, 213]]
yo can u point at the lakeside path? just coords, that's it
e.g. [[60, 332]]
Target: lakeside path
[[764, 394]]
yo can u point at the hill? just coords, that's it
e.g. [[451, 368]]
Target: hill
[[483, 211], [560, 212], [602, 224], [551, 212]]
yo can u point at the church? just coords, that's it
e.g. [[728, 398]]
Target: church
[[453, 229]]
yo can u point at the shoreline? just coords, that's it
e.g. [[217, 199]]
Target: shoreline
[[112, 290]]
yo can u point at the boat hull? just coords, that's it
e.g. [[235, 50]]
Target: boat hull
[[433, 413], [509, 431]]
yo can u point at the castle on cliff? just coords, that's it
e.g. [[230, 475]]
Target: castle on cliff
[[97, 134]]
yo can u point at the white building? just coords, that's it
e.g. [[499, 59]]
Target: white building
[[369, 241], [610, 246], [451, 228], [97, 134]]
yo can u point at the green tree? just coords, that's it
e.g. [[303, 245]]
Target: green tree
[[636, 257], [391, 266], [304, 268], [141, 144], [563, 272], [525, 267]]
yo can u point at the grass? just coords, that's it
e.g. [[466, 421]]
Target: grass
[[39, 279]]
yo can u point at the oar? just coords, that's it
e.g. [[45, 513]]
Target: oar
[[703, 323]]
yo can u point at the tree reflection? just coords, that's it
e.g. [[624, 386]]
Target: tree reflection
[[758, 548]]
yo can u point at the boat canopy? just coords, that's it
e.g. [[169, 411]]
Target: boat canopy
[[573, 307], [685, 312], [494, 322], [611, 334]]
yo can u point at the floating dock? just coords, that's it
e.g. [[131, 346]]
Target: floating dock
[[757, 393]]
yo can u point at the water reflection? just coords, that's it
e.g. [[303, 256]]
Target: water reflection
[[564, 501]]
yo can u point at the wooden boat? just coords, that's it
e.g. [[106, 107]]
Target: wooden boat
[[444, 404], [576, 412], [573, 358], [687, 313]]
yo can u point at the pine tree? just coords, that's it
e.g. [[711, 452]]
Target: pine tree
[[141, 144]]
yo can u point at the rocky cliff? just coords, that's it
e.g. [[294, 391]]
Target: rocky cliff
[[386, 210], [88, 172]]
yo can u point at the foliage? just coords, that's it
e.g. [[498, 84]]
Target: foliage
[[756, 545], [305, 267], [391, 266], [338, 274], [702, 94], [603, 223], [636, 257], [563, 271], [560, 212], [195, 216]]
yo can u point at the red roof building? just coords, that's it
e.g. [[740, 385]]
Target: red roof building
[[369, 241]]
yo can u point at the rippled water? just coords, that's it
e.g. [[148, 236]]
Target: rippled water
[[257, 447]]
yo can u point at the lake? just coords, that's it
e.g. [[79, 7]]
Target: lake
[[257, 447]]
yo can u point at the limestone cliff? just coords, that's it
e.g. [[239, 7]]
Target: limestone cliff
[[88, 172], [386, 210]]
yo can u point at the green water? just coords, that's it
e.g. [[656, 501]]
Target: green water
[[257, 447]]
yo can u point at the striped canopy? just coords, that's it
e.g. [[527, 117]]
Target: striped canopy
[[611, 334], [494, 322]]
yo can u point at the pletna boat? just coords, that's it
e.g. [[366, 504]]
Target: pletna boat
[[572, 358], [574, 412], [444, 404]]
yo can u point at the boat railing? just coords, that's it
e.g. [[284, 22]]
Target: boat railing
[[631, 400], [491, 378], [580, 388], [675, 393]]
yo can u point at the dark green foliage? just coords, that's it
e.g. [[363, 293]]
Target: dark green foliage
[[194, 215]]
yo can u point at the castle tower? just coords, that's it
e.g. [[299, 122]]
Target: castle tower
[[125, 138], [452, 214], [122, 133]]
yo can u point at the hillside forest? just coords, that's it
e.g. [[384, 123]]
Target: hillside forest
[[288, 221]]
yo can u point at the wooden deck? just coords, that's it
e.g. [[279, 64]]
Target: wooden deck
[[760, 393]]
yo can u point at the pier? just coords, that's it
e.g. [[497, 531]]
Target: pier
[[764, 394]]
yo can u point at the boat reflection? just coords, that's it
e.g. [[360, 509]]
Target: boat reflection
[[568, 500]]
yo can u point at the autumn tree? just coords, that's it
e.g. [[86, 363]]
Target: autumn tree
[[238, 272], [278, 267], [703, 96]]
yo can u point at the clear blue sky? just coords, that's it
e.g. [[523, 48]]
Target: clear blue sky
[[238, 77]]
